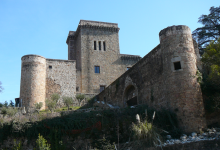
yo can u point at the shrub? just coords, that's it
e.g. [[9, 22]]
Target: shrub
[[38, 106], [50, 104], [146, 130], [103, 144], [1, 105], [68, 101], [11, 111], [80, 97], [4, 110], [17, 146], [41, 143], [55, 97]]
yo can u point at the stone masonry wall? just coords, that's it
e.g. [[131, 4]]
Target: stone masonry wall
[[109, 60], [60, 77], [33, 75], [154, 81]]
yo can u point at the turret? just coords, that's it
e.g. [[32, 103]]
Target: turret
[[33, 80], [179, 66]]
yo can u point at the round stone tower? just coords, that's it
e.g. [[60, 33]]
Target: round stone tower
[[33, 80], [179, 66]]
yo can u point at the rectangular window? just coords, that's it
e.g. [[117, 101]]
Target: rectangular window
[[102, 88], [100, 45], [50, 67], [177, 65], [94, 45], [77, 89], [97, 69], [104, 46]]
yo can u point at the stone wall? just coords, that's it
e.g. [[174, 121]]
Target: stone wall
[[155, 81], [109, 60], [60, 77], [33, 80]]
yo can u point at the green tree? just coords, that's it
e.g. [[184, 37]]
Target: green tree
[[80, 97], [55, 97], [211, 76], [12, 104], [50, 104], [68, 101], [210, 30], [38, 106]]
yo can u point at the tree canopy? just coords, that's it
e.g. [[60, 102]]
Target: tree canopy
[[210, 30]]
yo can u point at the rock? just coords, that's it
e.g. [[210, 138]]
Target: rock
[[177, 141], [194, 134], [201, 137], [205, 134], [168, 136], [183, 137]]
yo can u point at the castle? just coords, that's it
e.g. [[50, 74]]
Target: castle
[[163, 79], [94, 61]]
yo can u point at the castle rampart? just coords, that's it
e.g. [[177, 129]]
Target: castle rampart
[[164, 78]]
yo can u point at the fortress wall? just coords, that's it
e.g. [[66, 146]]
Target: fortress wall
[[154, 81], [33, 77], [61, 78]]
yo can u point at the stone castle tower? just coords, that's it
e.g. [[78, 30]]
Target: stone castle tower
[[94, 61], [95, 47]]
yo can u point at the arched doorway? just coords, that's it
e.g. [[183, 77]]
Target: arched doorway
[[130, 96]]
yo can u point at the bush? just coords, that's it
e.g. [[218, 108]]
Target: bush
[[80, 97], [68, 101], [41, 143], [38, 106], [17, 146], [50, 104], [11, 111], [103, 144], [4, 110], [145, 130], [55, 97]]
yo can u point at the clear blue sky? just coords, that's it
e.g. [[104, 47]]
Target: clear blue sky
[[41, 27]]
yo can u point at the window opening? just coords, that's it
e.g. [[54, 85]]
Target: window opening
[[97, 69], [128, 68], [77, 89], [99, 45], [102, 88], [177, 65], [50, 67], [94, 45], [104, 46]]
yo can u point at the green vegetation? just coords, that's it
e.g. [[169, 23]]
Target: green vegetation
[[17, 146], [10, 111], [115, 126], [38, 106], [41, 143], [211, 77], [145, 130], [68, 101], [51, 104], [210, 30]]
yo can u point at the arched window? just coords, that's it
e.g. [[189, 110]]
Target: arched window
[[130, 96]]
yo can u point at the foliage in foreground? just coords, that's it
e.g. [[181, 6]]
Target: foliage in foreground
[[211, 77], [148, 132], [41, 143]]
